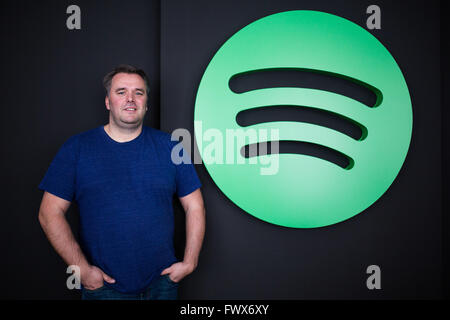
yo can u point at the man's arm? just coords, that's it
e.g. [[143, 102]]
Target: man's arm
[[53, 221], [195, 231]]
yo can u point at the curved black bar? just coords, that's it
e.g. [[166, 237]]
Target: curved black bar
[[316, 116], [299, 147], [306, 78]]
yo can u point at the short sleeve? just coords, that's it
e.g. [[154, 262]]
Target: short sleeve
[[187, 180], [59, 179]]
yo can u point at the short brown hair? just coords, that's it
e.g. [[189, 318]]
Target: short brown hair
[[124, 68]]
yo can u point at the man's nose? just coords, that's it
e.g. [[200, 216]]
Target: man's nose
[[130, 97]]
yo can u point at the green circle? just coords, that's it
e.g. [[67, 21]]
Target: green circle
[[307, 191]]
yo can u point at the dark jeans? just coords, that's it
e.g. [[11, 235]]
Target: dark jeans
[[161, 288]]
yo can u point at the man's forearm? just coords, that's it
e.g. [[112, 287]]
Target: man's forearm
[[195, 231], [61, 238]]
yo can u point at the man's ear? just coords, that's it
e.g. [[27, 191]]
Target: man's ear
[[107, 103]]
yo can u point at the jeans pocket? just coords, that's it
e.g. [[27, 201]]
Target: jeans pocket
[[95, 290], [170, 280]]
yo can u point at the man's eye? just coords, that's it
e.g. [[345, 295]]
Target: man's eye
[[121, 92], [139, 93]]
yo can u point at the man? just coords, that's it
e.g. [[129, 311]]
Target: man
[[123, 179]]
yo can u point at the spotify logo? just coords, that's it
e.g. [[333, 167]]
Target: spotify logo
[[354, 154]]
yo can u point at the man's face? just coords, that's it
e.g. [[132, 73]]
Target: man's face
[[127, 100]]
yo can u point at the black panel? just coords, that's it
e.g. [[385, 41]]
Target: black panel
[[244, 257], [52, 85]]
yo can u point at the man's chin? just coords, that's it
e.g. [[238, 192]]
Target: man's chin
[[131, 123]]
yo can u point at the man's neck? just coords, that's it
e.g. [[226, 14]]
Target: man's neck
[[122, 134]]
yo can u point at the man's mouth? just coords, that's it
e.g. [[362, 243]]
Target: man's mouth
[[130, 109]]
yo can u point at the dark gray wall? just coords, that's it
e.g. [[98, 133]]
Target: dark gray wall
[[246, 258], [52, 90]]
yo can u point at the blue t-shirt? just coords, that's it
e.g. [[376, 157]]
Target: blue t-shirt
[[124, 192]]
